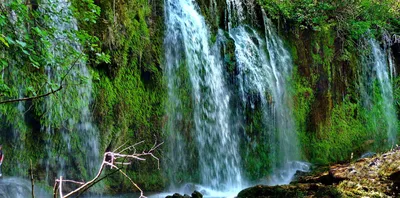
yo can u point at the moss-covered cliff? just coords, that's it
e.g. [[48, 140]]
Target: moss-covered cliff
[[123, 42], [123, 46], [130, 91]]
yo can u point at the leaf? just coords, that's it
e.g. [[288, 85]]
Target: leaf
[[9, 40], [2, 20], [2, 40], [25, 52], [3, 63], [102, 57], [40, 32], [31, 91], [21, 43], [34, 63]]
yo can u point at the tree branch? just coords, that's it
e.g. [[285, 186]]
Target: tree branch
[[48, 93], [111, 159], [31, 98]]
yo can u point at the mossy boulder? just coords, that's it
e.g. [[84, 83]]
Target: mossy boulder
[[297, 190], [367, 177]]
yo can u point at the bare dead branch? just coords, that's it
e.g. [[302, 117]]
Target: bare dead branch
[[120, 146], [60, 186], [71, 181], [110, 159], [132, 147]]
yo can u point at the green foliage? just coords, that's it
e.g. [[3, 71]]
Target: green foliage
[[256, 146], [353, 17], [396, 93], [303, 98], [341, 135], [350, 129], [331, 120], [31, 45], [129, 86]]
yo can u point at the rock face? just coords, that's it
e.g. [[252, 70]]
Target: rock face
[[367, 177]]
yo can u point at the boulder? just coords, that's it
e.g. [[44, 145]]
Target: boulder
[[176, 195], [395, 178], [378, 176], [195, 194], [298, 190], [323, 178]]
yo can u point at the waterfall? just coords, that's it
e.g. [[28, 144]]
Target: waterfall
[[187, 49], [377, 90], [264, 68], [195, 73], [70, 107]]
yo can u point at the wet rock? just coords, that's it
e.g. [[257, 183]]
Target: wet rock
[[176, 195], [299, 190], [378, 176], [340, 172], [300, 174], [323, 178], [197, 194], [368, 155], [395, 178]]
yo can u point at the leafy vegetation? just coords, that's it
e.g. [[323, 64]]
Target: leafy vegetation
[[121, 43], [38, 66], [348, 17], [326, 39], [123, 69]]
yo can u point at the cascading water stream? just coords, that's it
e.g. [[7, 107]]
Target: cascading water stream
[[264, 66], [379, 70], [195, 72], [216, 143], [72, 109]]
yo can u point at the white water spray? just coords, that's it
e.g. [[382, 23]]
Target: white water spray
[[187, 45]]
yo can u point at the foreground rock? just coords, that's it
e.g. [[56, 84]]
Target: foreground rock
[[368, 177], [195, 194], [299, 190]]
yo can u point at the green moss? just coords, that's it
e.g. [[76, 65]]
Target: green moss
[[130, 92]]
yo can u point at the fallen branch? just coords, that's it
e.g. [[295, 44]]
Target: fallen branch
[[110, 159]]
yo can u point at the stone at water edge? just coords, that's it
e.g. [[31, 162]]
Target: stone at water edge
[[298, 190], [176, 195], [395, 178], [378, 176], [195, 194]]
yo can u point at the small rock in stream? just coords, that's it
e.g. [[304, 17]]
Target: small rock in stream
[[195, 194]]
